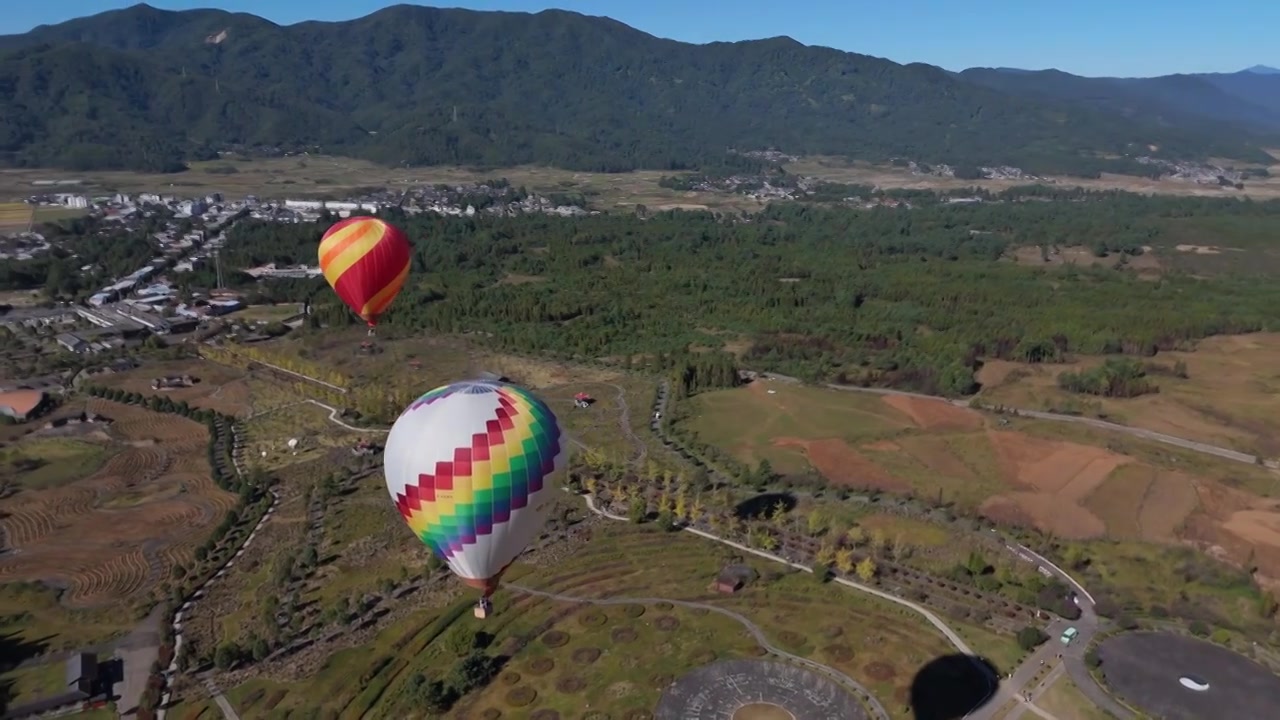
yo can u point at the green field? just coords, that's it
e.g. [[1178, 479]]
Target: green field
[[45, 463], [268, 313], [31, 617], [615, 658], [1065, 701], [748, 421]]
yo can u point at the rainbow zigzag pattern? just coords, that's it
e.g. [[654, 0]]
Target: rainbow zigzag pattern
[[466, 498]]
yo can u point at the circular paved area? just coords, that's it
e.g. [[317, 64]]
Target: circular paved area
[[1144, 669], [717, 691]]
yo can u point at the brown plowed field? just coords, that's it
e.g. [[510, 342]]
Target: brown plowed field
[[88, 536], [934, 414], [843, 465]]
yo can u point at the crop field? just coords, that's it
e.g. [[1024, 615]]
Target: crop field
[[114, 533], [268, 313], [217, 387], [615, 659], [777, 421], [40, 463], [839, 170], [17, 216], [1231, 397], [1073, 481], [336, 177]]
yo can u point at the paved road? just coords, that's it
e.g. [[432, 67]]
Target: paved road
[[228, 712], [1087, 626], [1034, 694], [877, 710]]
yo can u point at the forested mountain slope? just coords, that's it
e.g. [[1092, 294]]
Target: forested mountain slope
[[146, 88], [1246, 101]]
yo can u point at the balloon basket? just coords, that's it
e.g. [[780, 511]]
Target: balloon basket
[[483, 609]]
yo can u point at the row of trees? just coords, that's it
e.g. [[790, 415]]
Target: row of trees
[[253, 500], [1116, 378]]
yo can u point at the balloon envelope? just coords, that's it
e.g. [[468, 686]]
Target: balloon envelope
[[470, 467], [366, 261]]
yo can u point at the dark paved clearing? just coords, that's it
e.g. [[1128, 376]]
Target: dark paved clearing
[[714, 692], [1143, 669]]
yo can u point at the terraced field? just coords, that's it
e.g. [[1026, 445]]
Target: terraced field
[[116, 533]]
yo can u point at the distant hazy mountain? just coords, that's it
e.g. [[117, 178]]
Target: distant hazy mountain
[[147, 88], [1246, 101]]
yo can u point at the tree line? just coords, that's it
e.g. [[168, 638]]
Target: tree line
[[887, 296]]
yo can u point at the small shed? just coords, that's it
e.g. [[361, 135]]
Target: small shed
[[733, 578], [82, 672]]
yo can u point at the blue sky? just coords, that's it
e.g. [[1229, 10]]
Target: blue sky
[[1086, 37]]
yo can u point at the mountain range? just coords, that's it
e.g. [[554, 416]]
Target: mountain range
[[1247, 101], [148, 89]]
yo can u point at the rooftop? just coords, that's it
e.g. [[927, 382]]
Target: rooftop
[[23, 402]]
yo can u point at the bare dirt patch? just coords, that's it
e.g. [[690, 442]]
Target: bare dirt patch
[[1199, 249], [541, 666], [839, 653], [522, 696], [934, 414], [1171, 499], [1047, 513], [882, 446], [843, 465], [1067, 469], [880, 671], [794, 639], [623, 635], [592, 618], [570, 684], [666, 623], [586, 655], [1056, 478], [1231, 397], [936, 455], [555, 639]]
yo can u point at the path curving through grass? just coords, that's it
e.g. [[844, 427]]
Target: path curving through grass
[[877, 710]]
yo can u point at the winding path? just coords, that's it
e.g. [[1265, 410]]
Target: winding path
[[1089, 622], [876, 708], [954, 638]]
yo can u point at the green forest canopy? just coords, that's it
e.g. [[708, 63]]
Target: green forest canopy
[[910, 298], [144, 89]]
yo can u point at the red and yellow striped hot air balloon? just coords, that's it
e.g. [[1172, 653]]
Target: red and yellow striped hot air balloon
[[366, 260]]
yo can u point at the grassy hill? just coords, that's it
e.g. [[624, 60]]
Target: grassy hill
[[147, 88]]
